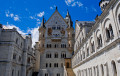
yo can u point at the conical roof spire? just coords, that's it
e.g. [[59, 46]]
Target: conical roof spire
[[42, 23], [56, 9], [68, 15], [67, 12]]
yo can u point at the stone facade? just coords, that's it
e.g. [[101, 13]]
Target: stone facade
[[97, 44], [56, 40], [17, 56]]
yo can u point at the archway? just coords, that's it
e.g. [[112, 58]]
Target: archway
[[114, 68]]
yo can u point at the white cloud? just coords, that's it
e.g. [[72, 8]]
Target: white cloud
[[73, 3], [16, 18], [40, 14], [37, 20], [35, 35], [86, 8], [11, 26], [13, 16], [68, 2], [51, 8], [31, 17], [34, 32], [94, 9]]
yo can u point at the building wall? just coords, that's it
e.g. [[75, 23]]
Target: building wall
[[14, 52], [54, 36], [98, 59]]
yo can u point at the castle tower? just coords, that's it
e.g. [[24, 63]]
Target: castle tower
[[42, 36], [70, 31]]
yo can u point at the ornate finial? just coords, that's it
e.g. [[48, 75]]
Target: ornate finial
[[56, 7]]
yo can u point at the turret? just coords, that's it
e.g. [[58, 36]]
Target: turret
[[42, 36], [70, 31], [103, 4], [68, 20]]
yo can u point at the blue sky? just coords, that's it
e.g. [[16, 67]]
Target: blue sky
[[26, 15]]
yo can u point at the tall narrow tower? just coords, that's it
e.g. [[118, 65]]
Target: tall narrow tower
[[42, 36]]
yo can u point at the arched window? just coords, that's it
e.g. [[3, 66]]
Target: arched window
[[119, 18], [46, 74], [93, 47], [114, 68], [55, 64], [67, 65], [46, 65], [63, 55], [19, 58], [83, 55], [107, 34], [111, 31], [58, 74], [50, 65], [48, 55], [102, 70], [94, 71], [17, 41], [87, 52], [99, 40], [14, 56], [56, 55], [55, 45]]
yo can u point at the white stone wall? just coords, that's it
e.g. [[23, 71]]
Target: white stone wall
[[14, 50], [106, 55], [55, 21]]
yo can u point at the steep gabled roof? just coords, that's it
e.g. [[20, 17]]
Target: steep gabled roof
[[58, 14]]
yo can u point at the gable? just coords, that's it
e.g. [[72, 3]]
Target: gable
[[56, 18]]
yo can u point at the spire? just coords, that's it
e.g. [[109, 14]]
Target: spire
[[68, 15], [56, 8], [67, 12], [42, 23]]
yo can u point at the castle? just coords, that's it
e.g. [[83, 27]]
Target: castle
[[92, 49]]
